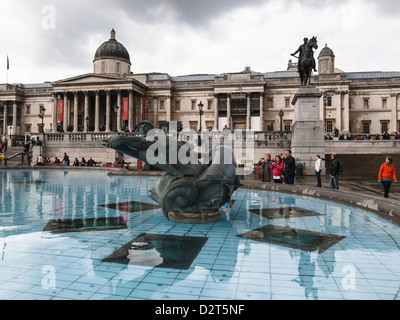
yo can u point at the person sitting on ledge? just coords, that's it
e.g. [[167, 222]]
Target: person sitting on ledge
[[83, 162], [76, 162], [91, 163]]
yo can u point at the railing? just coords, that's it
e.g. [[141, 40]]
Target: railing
[[275, 139], [22, 154]]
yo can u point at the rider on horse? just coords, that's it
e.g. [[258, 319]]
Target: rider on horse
[[301, 50]]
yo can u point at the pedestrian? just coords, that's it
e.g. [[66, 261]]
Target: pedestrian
[[318, 169], [268, 163], [289, 169], [261, 169], [334, 170], [66, 160], [29, 158], [387, 174], [277, 169], [5, 145]]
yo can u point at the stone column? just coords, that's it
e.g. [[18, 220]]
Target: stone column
[[262, 111], [139, 109], [346, 112], [215, 103], [338, 106], [228, 112], [155, 110], [97, 113], [168, 109], [248, 113], [15, 117], [86, 112], [308, 128], [55, 111], [130, 111], [108, 110], [76, 129], [393, 116], [119, 104], [65, 116], [5, 116]]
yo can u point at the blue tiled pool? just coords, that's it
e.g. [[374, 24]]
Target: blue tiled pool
[[85, 235]]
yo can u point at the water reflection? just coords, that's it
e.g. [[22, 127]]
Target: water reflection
[[223, 265]]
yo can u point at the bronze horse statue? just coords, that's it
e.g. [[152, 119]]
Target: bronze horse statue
[[306, 62]]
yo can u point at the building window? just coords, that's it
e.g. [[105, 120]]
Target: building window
[[28, 128], [366, 103], [366, 127], [209, 105], [210, 125], [287, 103], [193, 125], [28, 109], [177, 105], [384, 103], [194, 105], [270, 103], [287, 125], [329, 126], [149, 105], [162, 105], [118, 67], [270, 126], [384, 126], [327, 101]]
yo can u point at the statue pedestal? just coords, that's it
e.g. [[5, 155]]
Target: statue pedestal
[[308, 128], [195, 218]]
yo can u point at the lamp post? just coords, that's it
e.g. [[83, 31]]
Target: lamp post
[[41, 116], [281, 114], [201, 112], [201, 105], [116, 107]]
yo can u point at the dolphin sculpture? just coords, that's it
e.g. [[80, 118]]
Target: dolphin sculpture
[[188, 186]]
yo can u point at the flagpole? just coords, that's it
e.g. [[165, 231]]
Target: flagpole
[[8, 67]]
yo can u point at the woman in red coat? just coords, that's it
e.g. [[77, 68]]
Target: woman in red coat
[[277, 169], [387, 175]]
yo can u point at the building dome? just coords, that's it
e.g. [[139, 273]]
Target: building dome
[[112, 58], [326, 52], [112, 49]]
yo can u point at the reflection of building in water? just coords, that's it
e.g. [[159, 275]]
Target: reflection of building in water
[[357, 102]]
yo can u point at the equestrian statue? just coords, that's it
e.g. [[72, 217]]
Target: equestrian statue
[[306, 62]]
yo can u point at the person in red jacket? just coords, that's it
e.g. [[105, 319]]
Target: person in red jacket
[[387, 174], [277, 169]]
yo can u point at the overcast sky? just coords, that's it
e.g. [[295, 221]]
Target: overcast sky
[[49, 40]]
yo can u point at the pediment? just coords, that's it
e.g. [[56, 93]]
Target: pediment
[[89, 79]]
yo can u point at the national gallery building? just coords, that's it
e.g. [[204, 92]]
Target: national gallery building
[[115, 98]]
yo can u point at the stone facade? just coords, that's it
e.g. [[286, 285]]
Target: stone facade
[[357, 103]]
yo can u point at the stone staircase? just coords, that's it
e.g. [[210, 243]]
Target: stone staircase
[[15, 161]]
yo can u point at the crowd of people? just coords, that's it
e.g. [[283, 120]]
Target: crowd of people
[[278, 170], [283, 170], [384, 136], [42, 161]]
